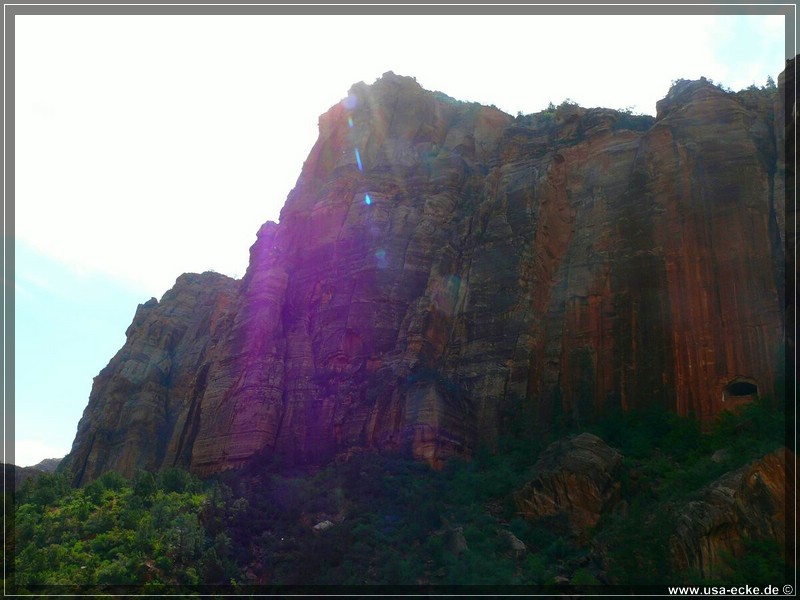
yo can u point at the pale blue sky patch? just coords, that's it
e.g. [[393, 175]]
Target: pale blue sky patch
[[68, 327], [748, 44]]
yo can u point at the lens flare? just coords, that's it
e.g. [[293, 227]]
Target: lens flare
[[380, 258], [367, 199], [358, 160], [350, 102], [350, 122]]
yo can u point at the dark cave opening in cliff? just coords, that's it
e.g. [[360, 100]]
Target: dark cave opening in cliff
[[741, 387]]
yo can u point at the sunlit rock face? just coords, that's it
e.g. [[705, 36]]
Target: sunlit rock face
[[443, 270]]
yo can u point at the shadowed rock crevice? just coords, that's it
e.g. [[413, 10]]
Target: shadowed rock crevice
[[741, 388], [192, 425]]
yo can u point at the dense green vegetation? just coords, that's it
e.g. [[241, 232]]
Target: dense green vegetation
[[667, 460], [393, 521], [169, 529]]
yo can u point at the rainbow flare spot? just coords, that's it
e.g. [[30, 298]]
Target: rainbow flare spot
[[350, 122], [358, 160], [367, 199], [380, 258]]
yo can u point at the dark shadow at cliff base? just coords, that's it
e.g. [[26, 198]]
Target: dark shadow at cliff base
[[486, 591]]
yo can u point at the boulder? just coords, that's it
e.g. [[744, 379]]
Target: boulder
[[516, 545], [323, 526], [575, 478]]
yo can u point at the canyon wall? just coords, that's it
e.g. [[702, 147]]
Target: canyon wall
[[443, 271]]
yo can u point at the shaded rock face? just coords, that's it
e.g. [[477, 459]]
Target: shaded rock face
[[749, 503], [441, 268], [575, 478]]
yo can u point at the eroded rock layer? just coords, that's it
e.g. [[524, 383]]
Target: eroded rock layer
[[441, 268], [750, 503]]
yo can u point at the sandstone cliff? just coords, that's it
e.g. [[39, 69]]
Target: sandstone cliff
[[441, 268]]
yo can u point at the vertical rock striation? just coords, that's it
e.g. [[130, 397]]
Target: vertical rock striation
[[441, 269]]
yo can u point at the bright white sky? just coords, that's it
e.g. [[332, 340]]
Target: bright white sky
[[149, 146]]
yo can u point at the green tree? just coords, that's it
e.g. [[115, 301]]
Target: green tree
[[184, 539], [175, 480], [144, 485]]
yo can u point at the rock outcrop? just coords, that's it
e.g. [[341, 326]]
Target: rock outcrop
[[749, 503], [48, 465], [442, 267], [575, 478]]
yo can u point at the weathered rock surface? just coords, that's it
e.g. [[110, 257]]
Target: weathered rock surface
[[749, 503], [441, 267], [574, 477]]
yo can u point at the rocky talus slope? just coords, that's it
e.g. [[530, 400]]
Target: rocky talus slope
[[442, 268], [579, 479]]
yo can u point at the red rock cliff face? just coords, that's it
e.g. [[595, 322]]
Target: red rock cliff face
[[441, 268]]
